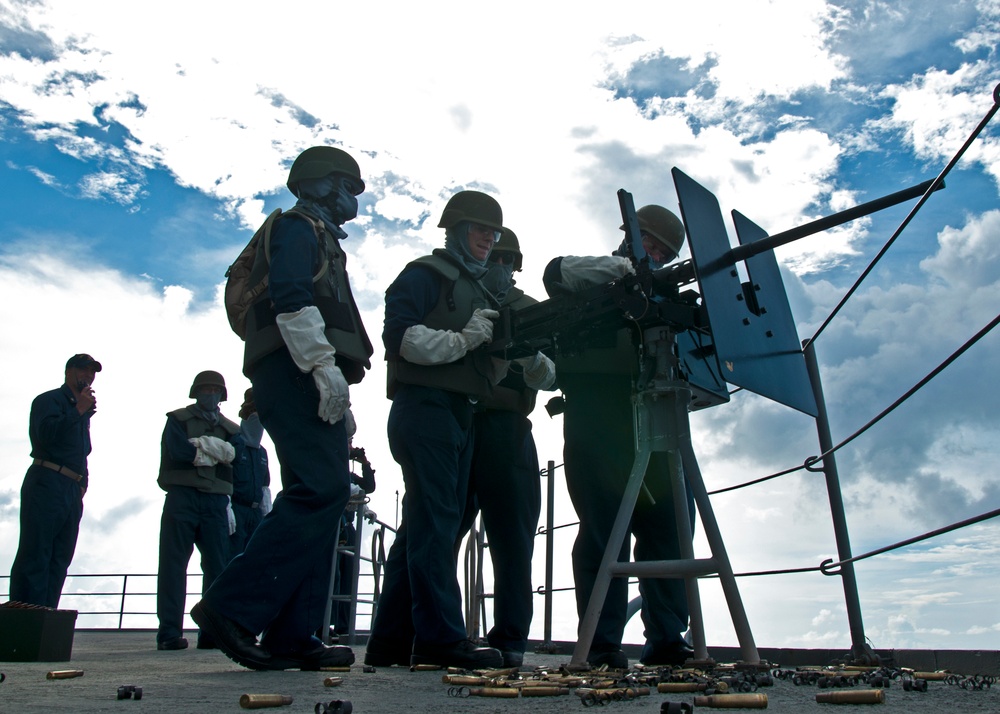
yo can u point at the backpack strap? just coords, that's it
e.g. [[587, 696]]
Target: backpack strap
[[318, 228]]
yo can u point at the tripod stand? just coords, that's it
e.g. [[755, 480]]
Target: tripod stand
[[661, 425]]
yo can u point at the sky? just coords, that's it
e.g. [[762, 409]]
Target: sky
[[138, 157]]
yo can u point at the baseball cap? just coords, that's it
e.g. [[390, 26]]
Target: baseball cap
[[82, 361]]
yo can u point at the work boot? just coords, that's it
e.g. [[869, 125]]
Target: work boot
[[464, 653], [673, 654], [614, 659], [381, 653], [237, 642], [512, 658], [315, 658], [176, 643]]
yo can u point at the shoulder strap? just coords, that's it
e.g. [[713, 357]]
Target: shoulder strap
[[318, 228], [439, 265]]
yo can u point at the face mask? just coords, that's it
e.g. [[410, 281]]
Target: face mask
[[208, 402], [342, 203], [498, 279], [252, 430], [333, 193]]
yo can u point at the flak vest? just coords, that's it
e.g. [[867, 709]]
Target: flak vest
[[461, 294], [209, 479], [331, 295], [512, 394]]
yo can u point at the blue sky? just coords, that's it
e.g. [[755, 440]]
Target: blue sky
[[135, 167]]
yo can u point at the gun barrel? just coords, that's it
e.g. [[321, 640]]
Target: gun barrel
[[749, 250]]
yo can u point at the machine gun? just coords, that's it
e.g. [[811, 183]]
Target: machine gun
[[569, 324], [744, 327]]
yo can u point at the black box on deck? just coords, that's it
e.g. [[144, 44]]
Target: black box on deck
[[36, 634]]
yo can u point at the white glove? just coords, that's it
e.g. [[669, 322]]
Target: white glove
[[539, 371], [349, 423], [334, 396], [422, 345], [211, 450], [230, 516], [200, 457], [265, 501], [357, 495], [303, 333], [580, 272], [222, 451], [479, 328]]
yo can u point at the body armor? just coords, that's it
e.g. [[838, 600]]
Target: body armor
[[333, 298], [209, 479], [460, 296]]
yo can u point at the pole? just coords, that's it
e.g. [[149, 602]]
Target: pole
[[859, 647], [550, 517]]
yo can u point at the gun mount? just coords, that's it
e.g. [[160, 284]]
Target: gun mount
[[726, 330]]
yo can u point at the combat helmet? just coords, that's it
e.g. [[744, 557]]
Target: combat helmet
[[662, 225], [319, 161], [208, 377], [509, 244], [473, 206]]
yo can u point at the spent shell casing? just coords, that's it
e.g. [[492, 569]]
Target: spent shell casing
[[851, 696], [544, 691], [263, 701], [732, 701], [460, 679], [668, 687], [503, 692], [64, 674]]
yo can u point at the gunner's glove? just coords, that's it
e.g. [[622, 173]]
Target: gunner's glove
[[230, 516], [423, 345], [479, 328], [581, 272], [539, 371], [211, 450], [303, 333]]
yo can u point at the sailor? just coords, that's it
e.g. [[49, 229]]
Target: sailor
[[437, 316], [196, 453], [598, 455], [305, 344]]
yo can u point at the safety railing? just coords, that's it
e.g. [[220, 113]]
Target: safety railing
[[127, 601]]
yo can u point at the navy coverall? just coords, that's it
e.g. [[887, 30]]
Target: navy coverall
[[250, 476], [278, 586], [51, 503], [430, 436], [504, 485]]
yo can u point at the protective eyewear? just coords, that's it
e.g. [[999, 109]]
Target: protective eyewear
[[502, 257], [480, 228]]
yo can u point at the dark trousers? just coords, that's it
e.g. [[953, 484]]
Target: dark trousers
[[247, 520], [51, 509], [504, 486], [599, 453], [278, 586], [190, 518], [430, 436]]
